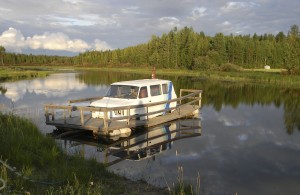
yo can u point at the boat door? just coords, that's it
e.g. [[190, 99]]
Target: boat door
[[156, 95], [144, 98]]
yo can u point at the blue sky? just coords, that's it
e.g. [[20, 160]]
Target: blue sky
[[72, 26]]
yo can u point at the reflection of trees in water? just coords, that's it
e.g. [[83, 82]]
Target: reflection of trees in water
[[292, 110], [217, 93]]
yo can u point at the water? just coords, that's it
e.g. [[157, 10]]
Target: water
[[248, 141]]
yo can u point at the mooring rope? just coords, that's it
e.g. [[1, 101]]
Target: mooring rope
[[25, 177]]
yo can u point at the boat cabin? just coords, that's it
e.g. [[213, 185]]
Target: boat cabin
[[137, 92]]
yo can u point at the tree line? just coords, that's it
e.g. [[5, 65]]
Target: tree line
[[187, 49]]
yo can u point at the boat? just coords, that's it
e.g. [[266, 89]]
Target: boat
[[135, 93], [127, 105]]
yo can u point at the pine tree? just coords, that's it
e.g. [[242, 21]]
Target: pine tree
[[2, 52]]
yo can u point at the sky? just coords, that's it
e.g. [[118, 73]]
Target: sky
[[68, 27]]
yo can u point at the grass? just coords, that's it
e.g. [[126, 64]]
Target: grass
[[17, 73], [181, 187], [272, 76], [41, 167]]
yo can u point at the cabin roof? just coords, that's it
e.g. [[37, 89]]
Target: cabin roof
[[142, 82]]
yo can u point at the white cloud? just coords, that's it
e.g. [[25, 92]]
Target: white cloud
[[198, 12], [237, 5], [101, 45], [130, 10], [226, 23], [14, 40], [167, 23]]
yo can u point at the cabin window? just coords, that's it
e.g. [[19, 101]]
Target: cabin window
[[155, 90], [123, 91], [143, 92], [165, 88]]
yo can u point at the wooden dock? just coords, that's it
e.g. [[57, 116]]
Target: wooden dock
[[80, 117]]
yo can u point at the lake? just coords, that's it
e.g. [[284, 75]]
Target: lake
[[247, 139]]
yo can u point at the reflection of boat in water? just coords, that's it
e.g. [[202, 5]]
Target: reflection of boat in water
[[156, 140], [139, 145]]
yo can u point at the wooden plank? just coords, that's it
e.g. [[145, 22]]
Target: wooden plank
[[85, 99]]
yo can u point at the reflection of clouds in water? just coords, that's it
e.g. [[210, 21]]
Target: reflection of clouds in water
[[233, 121], [228, 122], [56, 85], [181, 157], [234, 117], [243, 137], [14, 93]]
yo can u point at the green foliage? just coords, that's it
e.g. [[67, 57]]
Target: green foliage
[[2, 52], [43, 168], [186, 49], [228, 67]]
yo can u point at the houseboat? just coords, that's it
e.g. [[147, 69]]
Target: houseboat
[[127, 105], [134, 93]]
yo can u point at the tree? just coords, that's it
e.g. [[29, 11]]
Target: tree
[[292, 62], [218, 45], [2, 52]]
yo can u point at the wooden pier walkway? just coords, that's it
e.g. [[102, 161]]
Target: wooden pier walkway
[[56, 115]]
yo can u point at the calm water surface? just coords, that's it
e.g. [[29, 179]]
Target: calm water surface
[[249, 140]]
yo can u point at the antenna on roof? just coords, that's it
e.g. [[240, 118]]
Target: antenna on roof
[[153, 73]]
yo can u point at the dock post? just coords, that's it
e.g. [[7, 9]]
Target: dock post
[[70, 112], [147, 113], [105, 120], [128, 116], [65, 118], [180, 95], [81, 117], [47, 114], [52, 113], [200, 99]]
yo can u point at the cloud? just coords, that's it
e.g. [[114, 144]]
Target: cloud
[[101, 45], [130, 10], [168, 23], [198, 12], [236, 5], [14, 40], [128, 23]]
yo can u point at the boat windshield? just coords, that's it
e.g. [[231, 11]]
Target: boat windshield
[[123, 91]]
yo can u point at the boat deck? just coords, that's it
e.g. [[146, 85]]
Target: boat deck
[[80, 117], [97, 124]]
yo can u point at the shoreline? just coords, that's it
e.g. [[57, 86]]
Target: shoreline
[[259, 76], [37, 160]]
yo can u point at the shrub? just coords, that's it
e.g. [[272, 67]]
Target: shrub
[[228, 67]]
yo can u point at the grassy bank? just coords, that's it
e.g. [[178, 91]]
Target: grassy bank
[[18, 73], [41, 167], [272, 76]]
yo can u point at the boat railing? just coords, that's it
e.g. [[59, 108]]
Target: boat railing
[[193, 97]]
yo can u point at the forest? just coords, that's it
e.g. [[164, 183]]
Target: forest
[[186, 49]]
